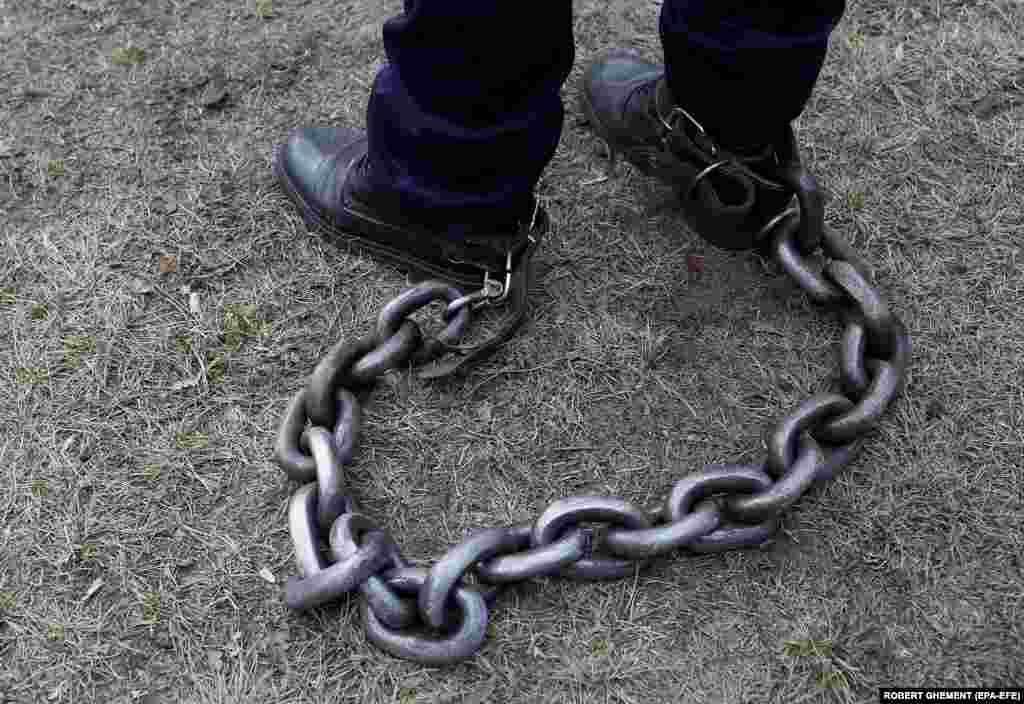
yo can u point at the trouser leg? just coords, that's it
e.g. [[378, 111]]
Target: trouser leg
[[468, 112], [744, 70]]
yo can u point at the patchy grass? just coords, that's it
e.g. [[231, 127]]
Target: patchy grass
[[128, 55], [75, 347], [143, 539], [264, 9]]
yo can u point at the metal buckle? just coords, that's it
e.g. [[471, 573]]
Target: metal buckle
[[770, 225], [494, 291], [675, 112], [670, 125], [701, 175]]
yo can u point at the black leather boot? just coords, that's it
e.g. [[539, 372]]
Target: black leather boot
[[323, 171], [730, 199]]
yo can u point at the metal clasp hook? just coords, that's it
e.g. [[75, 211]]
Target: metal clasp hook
[[493, 291]]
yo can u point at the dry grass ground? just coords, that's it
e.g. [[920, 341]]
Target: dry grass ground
[[138, 503]]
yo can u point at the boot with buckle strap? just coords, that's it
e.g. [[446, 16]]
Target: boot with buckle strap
[[322, 170], [731, 198]]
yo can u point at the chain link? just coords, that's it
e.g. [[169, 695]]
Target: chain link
[[729, 480], [785, 249], [386, 604], [565, 514], [525, 562], [395, 313], [435, 616], [443, 649], [852, 374]]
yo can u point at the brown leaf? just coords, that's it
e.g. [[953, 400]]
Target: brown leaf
[[168, 263]]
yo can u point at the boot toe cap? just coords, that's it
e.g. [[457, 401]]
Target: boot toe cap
[[611, 78], [312, 157]]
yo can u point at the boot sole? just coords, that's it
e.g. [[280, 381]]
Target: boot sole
[[359, 235]]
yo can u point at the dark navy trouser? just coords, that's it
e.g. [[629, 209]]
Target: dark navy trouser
[[467, 113]]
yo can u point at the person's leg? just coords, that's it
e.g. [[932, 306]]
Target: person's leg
[[460, 124], [468, 112], [745, 70], [716, 123]]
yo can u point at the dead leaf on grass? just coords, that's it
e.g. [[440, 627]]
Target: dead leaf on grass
[[267, 576], [168, 263]]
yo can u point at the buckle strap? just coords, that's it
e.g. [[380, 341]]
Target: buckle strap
[[514, 294], [790, 172], [670, 123]]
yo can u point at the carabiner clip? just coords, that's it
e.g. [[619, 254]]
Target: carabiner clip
[[493, 291], [496, 292]]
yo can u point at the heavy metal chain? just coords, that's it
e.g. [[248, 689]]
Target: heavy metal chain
[[438, 616]]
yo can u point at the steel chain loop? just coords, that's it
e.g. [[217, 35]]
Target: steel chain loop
[[835, 247], [852, 375], [346, 429], [387, 605], [332, 374], [527, 562], [728, 479], [391, 353], [642, 543], [786, 251], [459, 644], [735, 536], [331, 582], [331, 500], [446, 574], [782, 441], [432, 616], [783, 493], [565, 514], [877, 320], [886, 381], [836, 458], [411, 300], [298, 465], [303, 529]]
